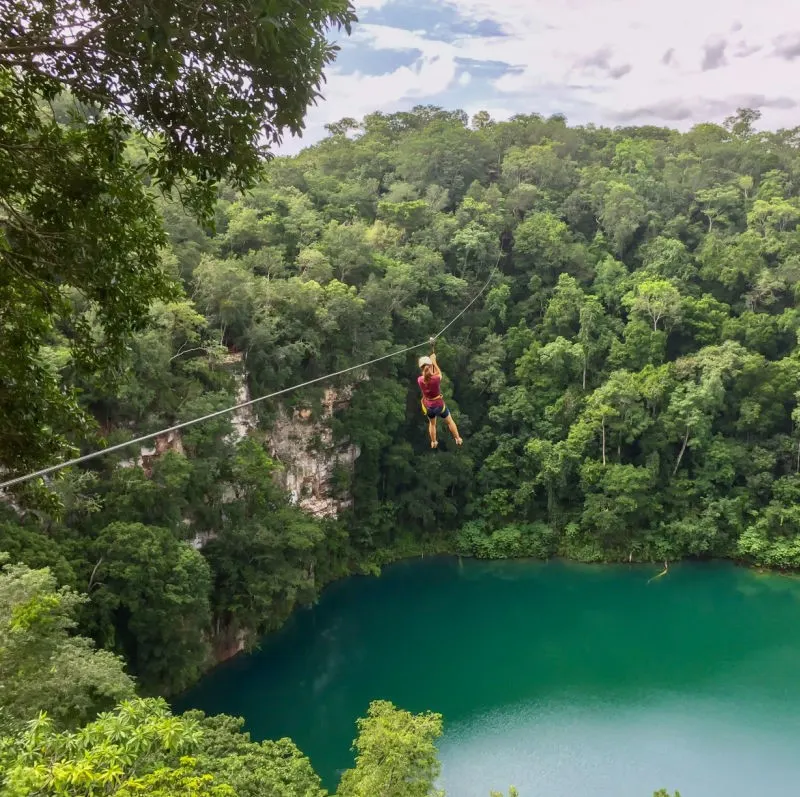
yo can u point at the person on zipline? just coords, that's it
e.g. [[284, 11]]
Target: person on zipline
[[433, 406]]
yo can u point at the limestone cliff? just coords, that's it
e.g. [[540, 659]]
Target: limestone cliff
[[310, 457], [303, 446], [244, 419]]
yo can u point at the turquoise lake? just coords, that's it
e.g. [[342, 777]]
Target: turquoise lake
[[561, 679]]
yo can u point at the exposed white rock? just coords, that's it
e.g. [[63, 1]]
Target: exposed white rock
[[244, 419], [171, 441], [310, 457], [201, 539]]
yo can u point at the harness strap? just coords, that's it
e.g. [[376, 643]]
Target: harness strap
[[435, 398]]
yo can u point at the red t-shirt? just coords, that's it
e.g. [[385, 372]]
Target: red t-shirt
[[431, 390]]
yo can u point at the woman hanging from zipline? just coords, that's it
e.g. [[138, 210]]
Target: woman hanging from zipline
[[433, 406]]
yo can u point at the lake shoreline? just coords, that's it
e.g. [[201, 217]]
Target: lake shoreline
[[390, 556]]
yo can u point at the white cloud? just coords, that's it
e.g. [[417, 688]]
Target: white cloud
[[366, 5], [607, 62], [357, 94], [551, 38]]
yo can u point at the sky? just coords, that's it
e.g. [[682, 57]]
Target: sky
[[610, 62]]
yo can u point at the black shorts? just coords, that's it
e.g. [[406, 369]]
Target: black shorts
[[438, 412]]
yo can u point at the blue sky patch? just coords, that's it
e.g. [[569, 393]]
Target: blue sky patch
[[440, 22], [484, 28], [410, 16], [368, 61], [487, 69]]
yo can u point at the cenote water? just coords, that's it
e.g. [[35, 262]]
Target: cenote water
[[560, 679]]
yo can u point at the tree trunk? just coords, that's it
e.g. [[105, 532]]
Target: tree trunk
[[94, 573], [584, 374], [603, 423], [683, 448]]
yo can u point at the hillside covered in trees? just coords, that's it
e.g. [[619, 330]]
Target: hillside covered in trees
[[627, 387]]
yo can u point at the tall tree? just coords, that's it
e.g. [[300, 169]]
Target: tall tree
[[42, 666], [395, 754]]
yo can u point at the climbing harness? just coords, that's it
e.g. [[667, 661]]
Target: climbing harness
[[422, 403], [243, 404]]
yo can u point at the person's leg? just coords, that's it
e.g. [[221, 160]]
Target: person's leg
[[451, 425], [432, 431]]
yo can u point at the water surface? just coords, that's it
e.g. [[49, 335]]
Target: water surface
[[561, 679]]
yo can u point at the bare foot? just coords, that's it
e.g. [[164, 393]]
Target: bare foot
[[434, 444], [459, 441]]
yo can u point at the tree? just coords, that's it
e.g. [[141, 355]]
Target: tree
[[395, 754], [562, 316], [342, 127], [595, 334], [481, 119], [741, 123], [668, 258], [261, 555], [719, 203], [408, 215], [252, 769], [622, 214], [443, 152], [618, 499], [43, 667], [476, 241], [214, 84], [543, 246], [246, 230], [616, 407], [151, 603], [80, 245], [133, 750], [611, 282], [693, 404], [658, 300], [775, 216], [633, 156], [208, 87], [314, 265], [347, 250]]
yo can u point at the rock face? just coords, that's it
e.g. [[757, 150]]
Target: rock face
[[310, 457], [304, 447], [227, 645], [171, 441], [244, 419]]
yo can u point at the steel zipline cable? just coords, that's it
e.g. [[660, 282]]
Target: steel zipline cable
[[137, 440]]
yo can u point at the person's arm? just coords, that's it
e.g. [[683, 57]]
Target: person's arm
[[436, 370]]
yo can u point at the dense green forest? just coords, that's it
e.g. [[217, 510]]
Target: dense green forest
[[627, 387]]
